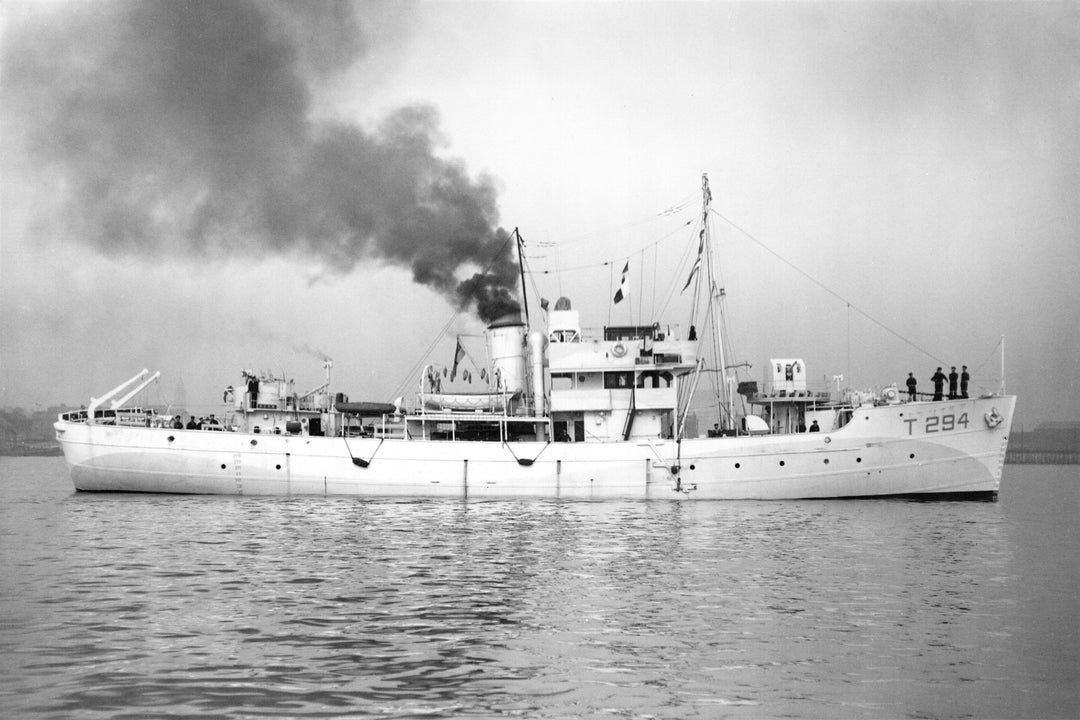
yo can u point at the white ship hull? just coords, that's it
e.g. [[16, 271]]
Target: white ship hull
[[922, 448]]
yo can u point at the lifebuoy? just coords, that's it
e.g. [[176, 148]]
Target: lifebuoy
[[619, 350]]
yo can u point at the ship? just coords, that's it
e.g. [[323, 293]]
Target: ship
[[565, 413]]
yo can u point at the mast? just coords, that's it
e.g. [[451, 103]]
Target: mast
[[537, 402], [715, 297], [521, 269]]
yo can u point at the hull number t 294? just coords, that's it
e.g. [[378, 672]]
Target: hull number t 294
[[936, 423]]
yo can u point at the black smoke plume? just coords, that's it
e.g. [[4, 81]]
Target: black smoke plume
[[186, 127]]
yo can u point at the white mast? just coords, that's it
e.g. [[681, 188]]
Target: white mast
[[714, 295]]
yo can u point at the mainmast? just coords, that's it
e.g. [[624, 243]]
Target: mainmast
[[715, 298]]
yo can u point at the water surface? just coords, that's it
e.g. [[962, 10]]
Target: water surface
[[132, 606]]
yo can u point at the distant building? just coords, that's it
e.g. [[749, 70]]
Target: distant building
[[1049, 436], [29, 433], [9, 436], [1049, 442]]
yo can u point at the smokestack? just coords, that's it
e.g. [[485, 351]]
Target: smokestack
[[506, 348]]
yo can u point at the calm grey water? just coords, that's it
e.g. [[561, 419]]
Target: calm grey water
[[128, 606]]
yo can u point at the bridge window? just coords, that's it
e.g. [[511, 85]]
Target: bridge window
[[618, 380]]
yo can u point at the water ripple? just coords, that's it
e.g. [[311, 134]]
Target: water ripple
[[125, 606]]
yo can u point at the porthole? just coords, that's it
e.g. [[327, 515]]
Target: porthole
[[912, 456], [691, 467], [826, 461], [858, 459], [222, 466], [781, 463], [737, 466], [278, 467]]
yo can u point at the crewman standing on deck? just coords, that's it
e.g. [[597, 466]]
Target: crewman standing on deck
[[939, 384], [912, 383], [953, 377]]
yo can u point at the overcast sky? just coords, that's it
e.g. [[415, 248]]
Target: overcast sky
[[202, 187]]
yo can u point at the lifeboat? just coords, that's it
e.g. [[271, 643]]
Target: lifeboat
[[468, 402]]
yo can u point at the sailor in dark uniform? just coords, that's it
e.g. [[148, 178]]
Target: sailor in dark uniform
[[965, 377], [939, 384], [253, 389], [912, 383], [953, 377]]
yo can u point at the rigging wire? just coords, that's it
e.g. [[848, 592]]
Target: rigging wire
[[536, 288], [675, 279], [400, 389], [640, 289], [602, 263], [610, 305], [993, 351], [678, 207], [652, 302], [990, 355], [829, 290]]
